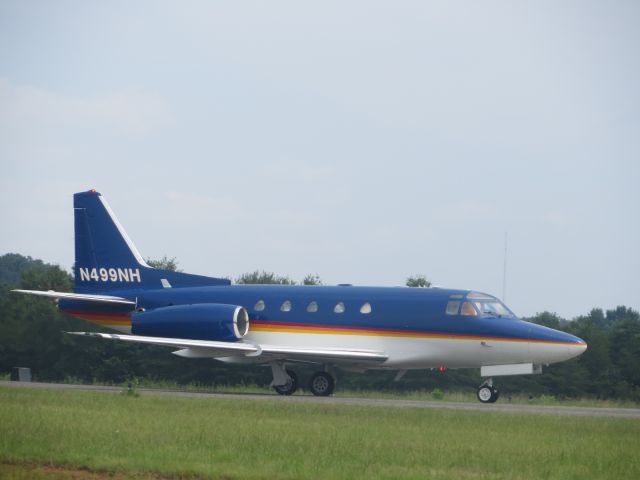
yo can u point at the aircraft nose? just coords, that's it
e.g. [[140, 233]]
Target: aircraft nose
[[575, 345], [549, 346]]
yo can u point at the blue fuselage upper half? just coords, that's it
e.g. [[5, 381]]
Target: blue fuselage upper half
[[393, 311]]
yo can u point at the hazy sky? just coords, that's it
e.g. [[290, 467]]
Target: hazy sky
[[365, 141]]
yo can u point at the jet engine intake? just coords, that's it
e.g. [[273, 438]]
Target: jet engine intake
[[202, 321]]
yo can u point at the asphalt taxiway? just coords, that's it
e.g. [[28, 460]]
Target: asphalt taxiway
[[337, 400]]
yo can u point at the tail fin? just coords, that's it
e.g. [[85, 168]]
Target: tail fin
[[106, 258]]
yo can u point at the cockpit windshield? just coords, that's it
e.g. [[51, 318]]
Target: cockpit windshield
[[477, 304]]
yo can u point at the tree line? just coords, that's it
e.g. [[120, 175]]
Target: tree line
[[31, 335]]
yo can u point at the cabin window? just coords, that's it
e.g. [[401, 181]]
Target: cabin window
[[312, 307], [468, 310], [259, 306], [365, 308], [453, 307], [339, 308], [286, 306]]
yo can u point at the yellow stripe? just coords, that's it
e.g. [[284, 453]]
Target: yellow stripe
[[375, 333]]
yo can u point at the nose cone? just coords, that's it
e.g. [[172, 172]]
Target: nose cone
[[547, 345], [575, 345]]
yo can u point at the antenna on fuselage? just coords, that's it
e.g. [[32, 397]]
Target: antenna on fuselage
[[504, 270]]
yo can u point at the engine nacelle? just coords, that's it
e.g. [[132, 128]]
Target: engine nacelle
[[202, 321]]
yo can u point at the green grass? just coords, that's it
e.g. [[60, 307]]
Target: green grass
[[152, 436]]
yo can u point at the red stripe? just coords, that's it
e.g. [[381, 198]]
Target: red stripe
[[284, 326], [100, 317]]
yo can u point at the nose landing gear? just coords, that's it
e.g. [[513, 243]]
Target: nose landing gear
[[487, 393]]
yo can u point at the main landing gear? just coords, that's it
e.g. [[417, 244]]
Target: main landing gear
[[322, 384], [285, 381], [290, 386], [487, 393]]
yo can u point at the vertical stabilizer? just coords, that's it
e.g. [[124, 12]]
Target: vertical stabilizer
[[106, 258], [100, 239]]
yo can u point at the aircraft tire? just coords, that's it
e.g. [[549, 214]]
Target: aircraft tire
[[486, 394], [290, 387], [322, 384]]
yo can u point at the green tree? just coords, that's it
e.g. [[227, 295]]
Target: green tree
[[625, 342], [312, 279], [164, 263], [46, 277], [13, 264], [547, 319], [418, 281], [31, 328], [596, 360], [263, 278]]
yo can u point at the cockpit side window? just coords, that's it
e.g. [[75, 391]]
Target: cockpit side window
[[486, 305], [468, 310], [453, 307], [495, 309]]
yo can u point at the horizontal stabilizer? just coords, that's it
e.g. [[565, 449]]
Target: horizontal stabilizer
[[79, 296]]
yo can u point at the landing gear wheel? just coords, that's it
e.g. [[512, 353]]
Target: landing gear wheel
[[322, 384], [487, 394], [290, 387]]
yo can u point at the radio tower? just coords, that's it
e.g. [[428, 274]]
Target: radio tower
[[504, 271]]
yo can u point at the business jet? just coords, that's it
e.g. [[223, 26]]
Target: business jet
[[346, 327]]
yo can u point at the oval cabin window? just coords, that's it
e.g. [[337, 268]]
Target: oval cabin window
[[286, 306]]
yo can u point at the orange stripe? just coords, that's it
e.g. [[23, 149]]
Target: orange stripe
[[108, 321], [387, 333], [101, 318]]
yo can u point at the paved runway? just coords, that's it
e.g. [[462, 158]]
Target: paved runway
[[337, 400]]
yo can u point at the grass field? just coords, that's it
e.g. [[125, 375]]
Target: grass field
[[90, 435]]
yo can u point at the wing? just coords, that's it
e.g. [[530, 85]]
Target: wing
[[261, 353], [79, 296], [322, 355]]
